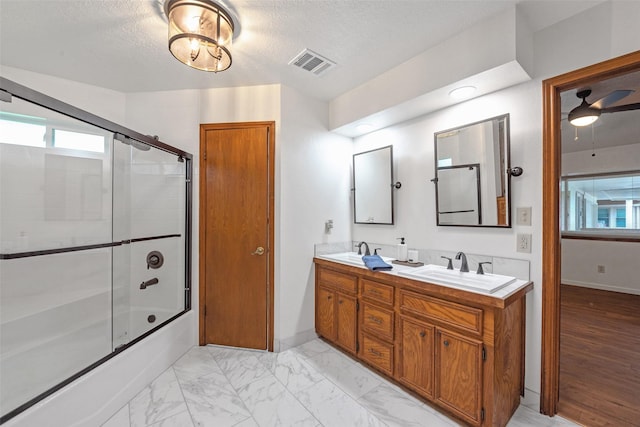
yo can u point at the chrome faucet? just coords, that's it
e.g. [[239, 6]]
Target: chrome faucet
[[464, 267], [366, 248]]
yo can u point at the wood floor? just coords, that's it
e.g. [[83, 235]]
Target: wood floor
[[600, 357]]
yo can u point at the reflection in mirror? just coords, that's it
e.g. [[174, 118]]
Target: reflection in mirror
[[472, 174], [372, 186]]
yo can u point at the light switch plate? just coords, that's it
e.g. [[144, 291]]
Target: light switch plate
[[523, 216]]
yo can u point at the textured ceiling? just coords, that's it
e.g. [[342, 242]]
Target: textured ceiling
[[122, 44]]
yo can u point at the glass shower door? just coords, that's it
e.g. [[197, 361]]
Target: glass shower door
[[55, 250], [149, 215]]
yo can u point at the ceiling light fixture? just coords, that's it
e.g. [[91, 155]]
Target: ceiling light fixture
[[462, 92], [200, 34], [583, 114]]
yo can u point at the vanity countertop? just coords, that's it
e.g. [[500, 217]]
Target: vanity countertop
[[500, 298]]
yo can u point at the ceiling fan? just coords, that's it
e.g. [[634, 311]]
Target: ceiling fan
[[585, 113]]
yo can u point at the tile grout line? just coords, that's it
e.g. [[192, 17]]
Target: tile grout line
[[304, 361]]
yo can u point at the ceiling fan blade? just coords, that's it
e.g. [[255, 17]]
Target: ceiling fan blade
[[612, 98], [627, 107]]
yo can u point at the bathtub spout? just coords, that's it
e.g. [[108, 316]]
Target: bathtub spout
[[153, 281]]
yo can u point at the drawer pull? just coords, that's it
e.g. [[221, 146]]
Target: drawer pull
[[446, 343], [375, 352], [374, 292], [375, 319], [422, 334]]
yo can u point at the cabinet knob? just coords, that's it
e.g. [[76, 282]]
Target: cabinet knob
[[339, 301], [329, 297], [423, 333], [446, 343]]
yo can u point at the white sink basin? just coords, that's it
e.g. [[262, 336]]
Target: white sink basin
[[351, 258], [487, 283]]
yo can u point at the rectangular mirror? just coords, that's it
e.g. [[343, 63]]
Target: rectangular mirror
[[472, 174], [372, 186]]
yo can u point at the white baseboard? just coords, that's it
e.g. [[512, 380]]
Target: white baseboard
[[294, 341], [601, 287], [531, 400]]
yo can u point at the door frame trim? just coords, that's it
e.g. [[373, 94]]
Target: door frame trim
[[551, 250], [271, 155]]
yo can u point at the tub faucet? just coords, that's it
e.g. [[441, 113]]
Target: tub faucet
[[366, 248], [151, 282], [464, 267]]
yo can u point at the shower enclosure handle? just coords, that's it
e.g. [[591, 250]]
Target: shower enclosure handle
[[153, 281]]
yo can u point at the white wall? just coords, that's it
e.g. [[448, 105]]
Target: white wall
[[315, 184], [581, 258], [175, 116], [312, 179], [556, 51], [413, 150]]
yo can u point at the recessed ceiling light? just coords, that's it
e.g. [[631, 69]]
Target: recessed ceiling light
[[462, 92], [364, 127]]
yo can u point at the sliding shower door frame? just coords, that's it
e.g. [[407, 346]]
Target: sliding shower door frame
[[9, 89]]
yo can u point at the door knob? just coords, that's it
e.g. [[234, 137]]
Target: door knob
[[259, 251]]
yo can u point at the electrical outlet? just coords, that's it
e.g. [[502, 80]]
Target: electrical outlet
[[523, 242], [523, 216]]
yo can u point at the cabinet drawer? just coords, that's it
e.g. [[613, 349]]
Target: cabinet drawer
[[341, 281], [378, 321], [446, 312], [377, 353], [377, 291]]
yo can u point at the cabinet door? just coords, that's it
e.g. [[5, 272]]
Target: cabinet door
[[459, 374], [416, 358], [325, 317], [347, 315]]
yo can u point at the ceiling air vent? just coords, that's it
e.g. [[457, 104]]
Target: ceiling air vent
[[310, 61]]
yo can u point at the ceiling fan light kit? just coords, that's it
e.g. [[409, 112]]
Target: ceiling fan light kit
[[583, 114], [200, 34]]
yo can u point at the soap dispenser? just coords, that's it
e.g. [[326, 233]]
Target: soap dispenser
[[402, 250]]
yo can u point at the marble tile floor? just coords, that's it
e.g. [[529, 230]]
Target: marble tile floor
[[310, 385]]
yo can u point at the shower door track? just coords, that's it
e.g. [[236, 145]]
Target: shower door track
[[83, 248]]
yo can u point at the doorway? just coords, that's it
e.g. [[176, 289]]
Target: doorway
[[237, 234], [551, 256]]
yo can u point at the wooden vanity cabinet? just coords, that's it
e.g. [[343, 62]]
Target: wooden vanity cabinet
[[377, 325], [415, 368], [337, 308], [461, 351]]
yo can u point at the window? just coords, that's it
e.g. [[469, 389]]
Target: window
[[29, 131], [18, 132], [78, 141], [601, 204]]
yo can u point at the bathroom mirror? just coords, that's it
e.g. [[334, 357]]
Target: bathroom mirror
[[472, 174], [372, 186]]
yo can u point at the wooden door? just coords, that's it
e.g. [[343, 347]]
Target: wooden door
[[236, 235], [346, 317], [416, 360], [459, 374]]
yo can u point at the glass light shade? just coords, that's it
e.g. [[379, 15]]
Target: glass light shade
[[200, 34], [583, 115], [462, 92]]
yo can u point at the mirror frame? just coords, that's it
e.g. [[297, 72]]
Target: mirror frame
[[504, 173], [391, 187]]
